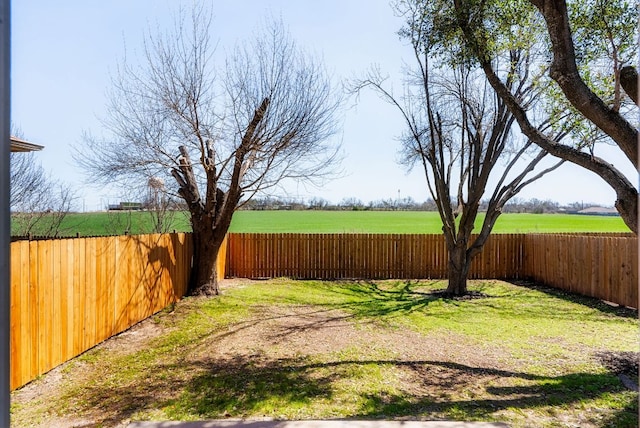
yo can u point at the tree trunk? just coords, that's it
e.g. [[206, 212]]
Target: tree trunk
[[204, 273], [458, 270]]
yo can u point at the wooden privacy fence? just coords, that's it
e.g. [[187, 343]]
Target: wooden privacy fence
[[67, 295], [597, 265], [601, 266], [371, 256]]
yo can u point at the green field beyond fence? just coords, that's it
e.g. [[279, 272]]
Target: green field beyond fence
[[116, 223], [410, 222]]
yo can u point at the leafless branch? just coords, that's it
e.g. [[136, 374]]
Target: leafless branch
[[216, 136]]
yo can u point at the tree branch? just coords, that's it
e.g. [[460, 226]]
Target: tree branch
[[565, 72]]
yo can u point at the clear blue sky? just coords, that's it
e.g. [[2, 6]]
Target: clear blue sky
[[63, 53]]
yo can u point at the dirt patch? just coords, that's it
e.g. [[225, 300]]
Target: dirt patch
[[276, 336], [469, 295], [286, 332], [624, 364], [135, 338], [620, 362]]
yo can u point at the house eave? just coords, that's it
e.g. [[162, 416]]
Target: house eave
[[18, 145]]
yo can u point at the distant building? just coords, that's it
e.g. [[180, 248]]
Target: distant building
[[599, 211], [126, 206]]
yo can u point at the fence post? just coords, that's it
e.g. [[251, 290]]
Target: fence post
[[5, 216]]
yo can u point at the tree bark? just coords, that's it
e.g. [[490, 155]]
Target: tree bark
[[204, 274], [210, 222], [458, 269], [629, 82], [209, 231]]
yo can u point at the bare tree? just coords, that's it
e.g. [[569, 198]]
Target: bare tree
[[317, 203], [459, 133], [218, 136], [160, 206], [607, 30], [39, 203], [120, 222], [145, 210]]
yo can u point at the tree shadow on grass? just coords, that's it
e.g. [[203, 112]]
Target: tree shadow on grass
[[367, 301], [234, 386], [242, 387], [375, 301], [362, 301], [626, 417]]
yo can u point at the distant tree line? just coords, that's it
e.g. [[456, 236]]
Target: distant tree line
[[516, 205]]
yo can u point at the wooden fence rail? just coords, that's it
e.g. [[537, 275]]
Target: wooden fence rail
[[67, 295]]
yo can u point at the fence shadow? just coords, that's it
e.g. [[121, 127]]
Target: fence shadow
[[591, 302]]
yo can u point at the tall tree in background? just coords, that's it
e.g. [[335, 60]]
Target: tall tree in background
[[160, 206], [459, 133], [39, 203], [593, 45], [216, 137]]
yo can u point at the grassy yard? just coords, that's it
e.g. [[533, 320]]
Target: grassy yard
[[117, 222], [524, 355]]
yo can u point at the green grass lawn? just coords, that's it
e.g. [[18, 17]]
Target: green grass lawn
[[116, 223], [410, 222], [524, 355], [103, 223]]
